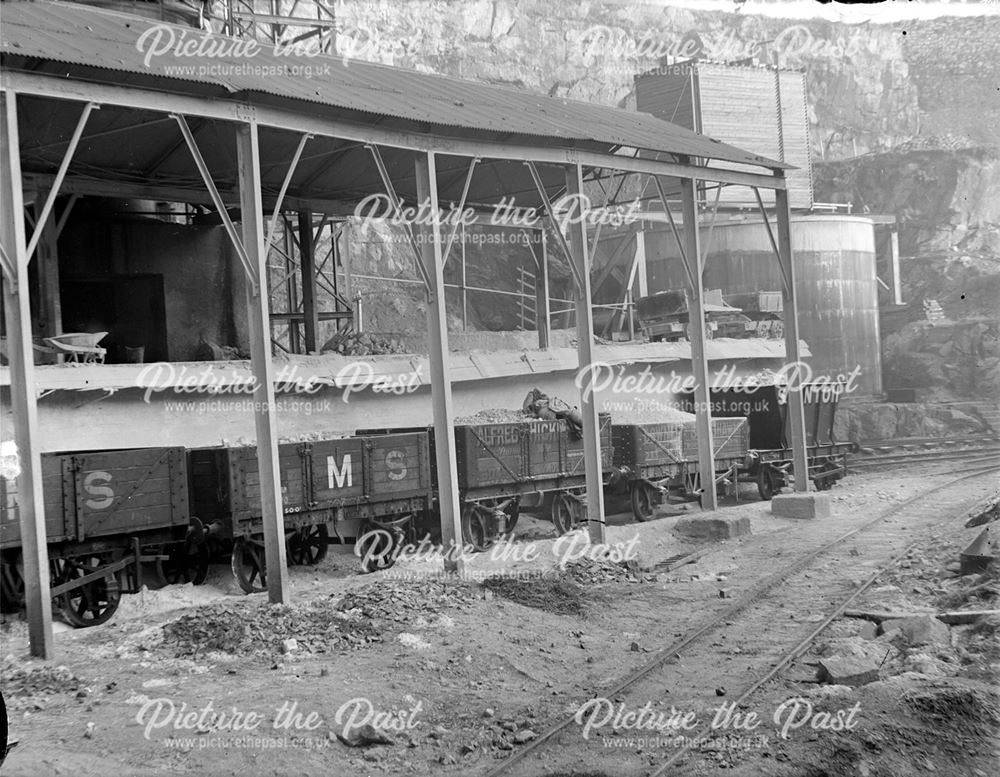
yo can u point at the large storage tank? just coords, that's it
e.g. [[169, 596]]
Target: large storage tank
[[835, 280]]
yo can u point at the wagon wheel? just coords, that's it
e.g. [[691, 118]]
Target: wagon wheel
[[11, 583], [377, 546], [90, 604], [308, 544], [476, 521], [512, 511], [823, 481], [249, 567], [565, 513], [766, 485], [643, 497], [186, 562]]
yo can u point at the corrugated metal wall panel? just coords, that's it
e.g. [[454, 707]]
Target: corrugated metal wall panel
[[739, 102], [740, 106], [670, 99], [795, 134]]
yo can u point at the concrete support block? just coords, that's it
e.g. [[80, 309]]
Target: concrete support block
[[713, 527], [848, 670], [801, 506]]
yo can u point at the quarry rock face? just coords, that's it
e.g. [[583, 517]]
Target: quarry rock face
[[870, 87], [868, 421], [947, 206]]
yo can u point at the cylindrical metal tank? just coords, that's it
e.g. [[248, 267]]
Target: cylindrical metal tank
[[837, 287]]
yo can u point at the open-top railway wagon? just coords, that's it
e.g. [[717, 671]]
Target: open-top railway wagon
[[655, 459], [106, 513], [769, 460], [347, 484], [539, 463], [501, 465]]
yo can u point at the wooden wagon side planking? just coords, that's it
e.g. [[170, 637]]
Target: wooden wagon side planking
[[654, 459], [105, 513], [341, 484]]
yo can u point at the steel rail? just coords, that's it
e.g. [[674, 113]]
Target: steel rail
[[915, 457]]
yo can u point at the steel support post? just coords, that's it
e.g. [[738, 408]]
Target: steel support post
[[17, 310], [642, 274], [465, 291], [307, 266], [543, 309], [49, 312], [255, 250], [796, 411], [897, 282], [585, 350], [431, 255], [696, 328]]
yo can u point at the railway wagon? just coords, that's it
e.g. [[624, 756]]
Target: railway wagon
[[656, 458], [501, 463], [769, 460], [344, 483], [106, 512]]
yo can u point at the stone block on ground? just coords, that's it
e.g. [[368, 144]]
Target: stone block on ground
[[801, 505], [713, 527], [848, 670], [918, 630]]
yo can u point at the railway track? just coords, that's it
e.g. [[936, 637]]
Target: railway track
[[768, 633], [865, 464], [899, 444]]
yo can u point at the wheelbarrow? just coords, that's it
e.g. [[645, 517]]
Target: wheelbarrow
[[79, 347]]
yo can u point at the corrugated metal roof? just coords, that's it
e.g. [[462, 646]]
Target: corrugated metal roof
[[85, 37]]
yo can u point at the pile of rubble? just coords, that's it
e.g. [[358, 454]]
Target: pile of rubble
[[589, 571], [387, 602], [494, 415], [971, 708], [558, 593], [263, 628], [350, 343], [663, 414], [24, 684]]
